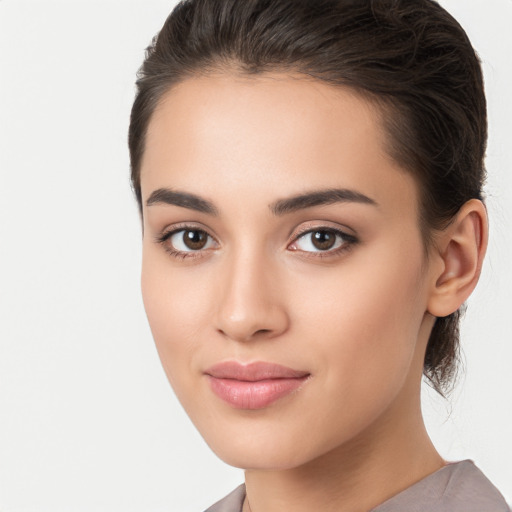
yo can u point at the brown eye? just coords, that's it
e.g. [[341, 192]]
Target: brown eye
[[195, 239], [323, 240], [190, 240]]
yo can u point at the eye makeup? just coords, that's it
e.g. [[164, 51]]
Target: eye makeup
[[316, 240], [186, 241], [322, 242]]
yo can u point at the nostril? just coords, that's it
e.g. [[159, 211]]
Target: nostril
[[262, 331], [255, 334]]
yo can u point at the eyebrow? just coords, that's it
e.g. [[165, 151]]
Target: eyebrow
[[183, 199], [279, 207], [319, 198]]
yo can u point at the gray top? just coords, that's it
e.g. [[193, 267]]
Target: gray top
[[457, 487]]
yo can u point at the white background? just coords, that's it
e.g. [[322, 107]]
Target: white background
[[87, 419]]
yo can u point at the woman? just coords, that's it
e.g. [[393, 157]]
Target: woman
[[309, 175]]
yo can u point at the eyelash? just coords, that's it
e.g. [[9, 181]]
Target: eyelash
[[348, 241], [164, 238]]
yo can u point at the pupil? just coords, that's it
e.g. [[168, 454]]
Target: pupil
[[323, 240], [195, 239]]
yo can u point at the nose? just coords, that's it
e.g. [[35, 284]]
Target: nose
[[251, 303]]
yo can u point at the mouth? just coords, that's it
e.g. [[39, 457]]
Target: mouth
[[255, 385]]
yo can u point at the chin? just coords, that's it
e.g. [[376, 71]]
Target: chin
[[266, 448], [260, 458]]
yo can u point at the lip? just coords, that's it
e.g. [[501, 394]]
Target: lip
[[254, 385]]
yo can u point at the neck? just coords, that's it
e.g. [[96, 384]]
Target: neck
[[355, 478], [342, 481], [388, 457]]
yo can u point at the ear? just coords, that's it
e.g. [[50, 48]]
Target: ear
[[460, 250]]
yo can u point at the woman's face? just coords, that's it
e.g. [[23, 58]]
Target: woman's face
[[277, 230]]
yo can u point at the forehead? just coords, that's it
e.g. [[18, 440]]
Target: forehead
[[224, 134]]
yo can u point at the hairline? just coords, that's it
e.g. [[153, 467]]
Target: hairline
[[384, 107]]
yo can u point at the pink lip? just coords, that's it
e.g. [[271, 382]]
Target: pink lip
[[255, 385]]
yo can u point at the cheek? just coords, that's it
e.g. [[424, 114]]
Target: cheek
[[175, 306], [363, 321]]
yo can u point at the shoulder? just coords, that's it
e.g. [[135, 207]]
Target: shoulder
[[466, 484], [458, 487], [231, 503]]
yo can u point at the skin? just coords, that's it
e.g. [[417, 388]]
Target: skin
[[356, 319]]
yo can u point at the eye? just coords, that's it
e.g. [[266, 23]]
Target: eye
[[188, 240], [322, 240]]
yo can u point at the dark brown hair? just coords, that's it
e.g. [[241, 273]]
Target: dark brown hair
[[409, 56]]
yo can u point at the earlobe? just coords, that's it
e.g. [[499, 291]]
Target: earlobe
[[461, 249]]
